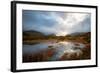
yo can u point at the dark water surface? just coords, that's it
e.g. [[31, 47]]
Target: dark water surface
[[59, 48]]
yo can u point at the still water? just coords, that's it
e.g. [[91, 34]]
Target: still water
[[59, 48]]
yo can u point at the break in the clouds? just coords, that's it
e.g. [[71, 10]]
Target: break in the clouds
[[58, 23]]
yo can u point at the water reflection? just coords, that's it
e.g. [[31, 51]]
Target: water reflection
[[59, 48]]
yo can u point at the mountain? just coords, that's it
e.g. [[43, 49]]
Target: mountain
[[79, 34], [32, 33]]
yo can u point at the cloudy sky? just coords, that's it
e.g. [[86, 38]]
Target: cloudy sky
[[58, 23]]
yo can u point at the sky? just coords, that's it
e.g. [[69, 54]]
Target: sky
[[58, 23]]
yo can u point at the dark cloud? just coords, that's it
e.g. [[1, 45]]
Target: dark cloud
[[59, 23]]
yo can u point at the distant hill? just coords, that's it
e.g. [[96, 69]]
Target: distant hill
[[35, 33], [32, 33], [79, 34]]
